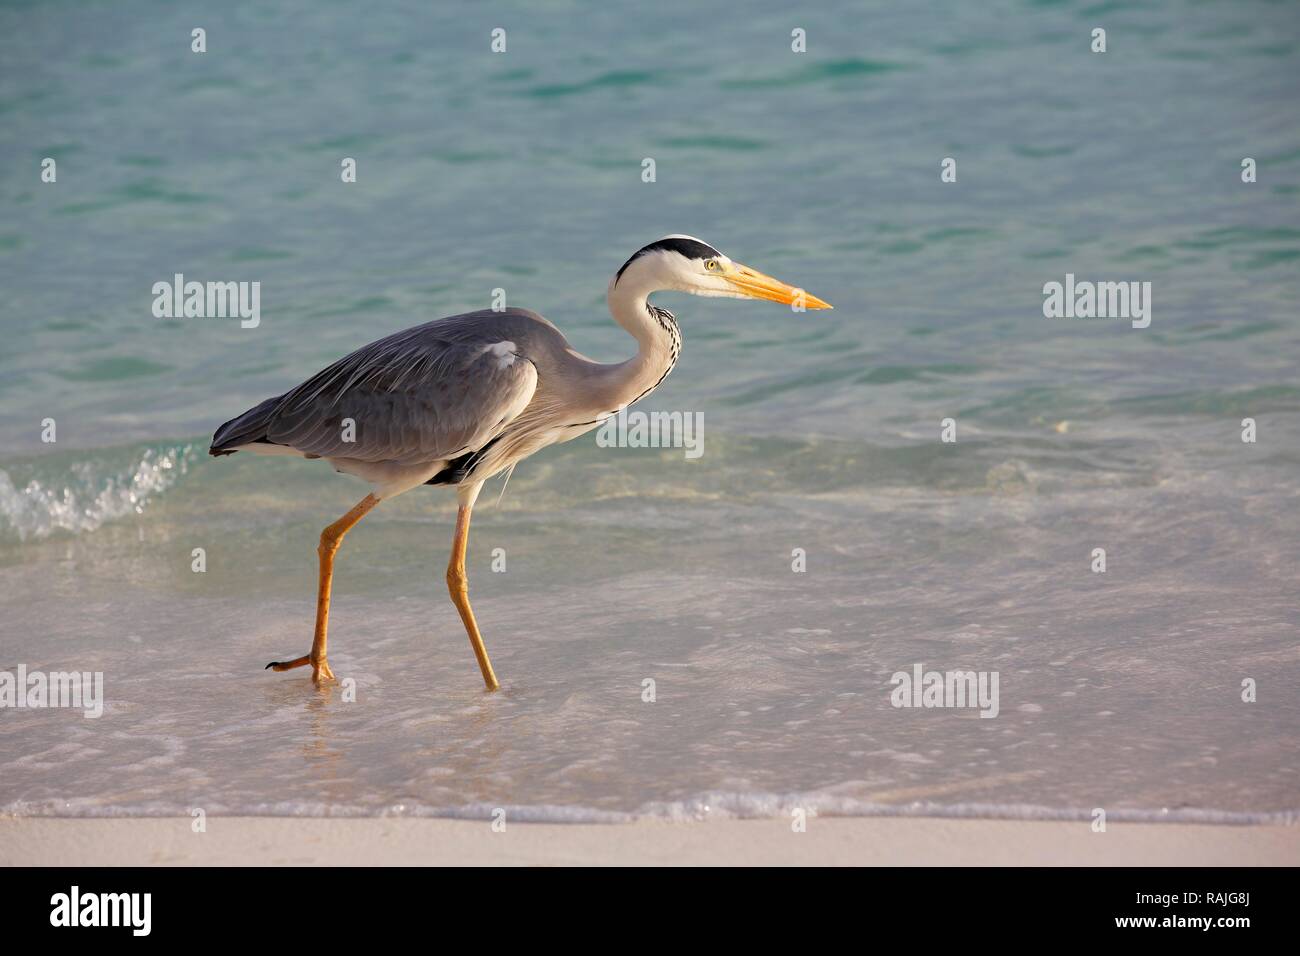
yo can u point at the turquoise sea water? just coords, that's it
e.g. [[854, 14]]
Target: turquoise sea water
[[522, 171]]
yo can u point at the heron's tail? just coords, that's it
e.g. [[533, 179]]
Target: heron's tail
[[247, 429]]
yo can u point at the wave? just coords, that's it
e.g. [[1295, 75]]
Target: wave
[[89, 493], [700, 808]]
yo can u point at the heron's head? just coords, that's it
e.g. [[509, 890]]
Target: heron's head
[[685, 264]]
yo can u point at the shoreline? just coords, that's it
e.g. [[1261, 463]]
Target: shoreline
[[833, 841]]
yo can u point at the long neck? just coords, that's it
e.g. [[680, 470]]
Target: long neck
[[658, 341]]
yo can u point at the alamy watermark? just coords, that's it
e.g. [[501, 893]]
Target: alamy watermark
[[922, 688], [130, 910], [1098, 300], [208, 300], [37, 689], [653, 430]]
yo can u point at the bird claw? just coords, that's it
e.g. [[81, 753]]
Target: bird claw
[[320, 671]]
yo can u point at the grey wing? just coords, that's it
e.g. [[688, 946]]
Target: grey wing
[[426, 394]]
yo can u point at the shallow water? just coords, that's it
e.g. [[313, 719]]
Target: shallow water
[[522, 171]]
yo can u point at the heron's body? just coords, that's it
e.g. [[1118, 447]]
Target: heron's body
[[457, 400], [453, 401]]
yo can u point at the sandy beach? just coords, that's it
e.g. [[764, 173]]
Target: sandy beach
[[269, 841]]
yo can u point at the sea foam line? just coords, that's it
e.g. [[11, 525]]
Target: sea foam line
[[696, 809], [89, 493]]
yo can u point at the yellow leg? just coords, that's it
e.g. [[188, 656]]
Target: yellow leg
[[330, 539], [458, 586]]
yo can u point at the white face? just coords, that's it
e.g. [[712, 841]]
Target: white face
[[705, 277]]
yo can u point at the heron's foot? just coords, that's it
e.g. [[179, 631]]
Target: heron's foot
[[320, 670]]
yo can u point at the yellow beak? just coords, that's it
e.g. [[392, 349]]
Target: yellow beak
[[756, 285]]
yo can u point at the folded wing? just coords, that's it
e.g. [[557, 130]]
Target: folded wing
[[425, 394]]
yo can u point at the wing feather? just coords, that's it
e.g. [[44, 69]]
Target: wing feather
[[425, 394]]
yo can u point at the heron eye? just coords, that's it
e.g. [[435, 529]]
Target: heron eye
[[711, 265]]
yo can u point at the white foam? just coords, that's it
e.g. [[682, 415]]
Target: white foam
[[701, 808], [88, 495]]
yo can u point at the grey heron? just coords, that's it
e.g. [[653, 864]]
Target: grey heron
[[457, 400]]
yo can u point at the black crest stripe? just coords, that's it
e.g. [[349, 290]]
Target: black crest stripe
[[690, 248]]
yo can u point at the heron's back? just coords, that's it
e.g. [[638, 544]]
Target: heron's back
[[431, 392]]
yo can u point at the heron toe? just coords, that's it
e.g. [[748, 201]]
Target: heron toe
[[319, 672]]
